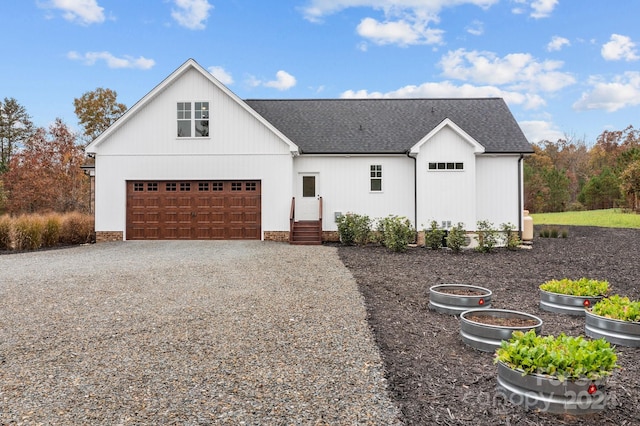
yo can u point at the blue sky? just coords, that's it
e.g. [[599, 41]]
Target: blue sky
[[566, 68]]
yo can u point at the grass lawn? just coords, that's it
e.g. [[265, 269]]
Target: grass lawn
[[610, 218]]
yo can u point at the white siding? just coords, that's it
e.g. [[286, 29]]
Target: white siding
[[498, 188], [345, 186], [146, 148], [448, 195]]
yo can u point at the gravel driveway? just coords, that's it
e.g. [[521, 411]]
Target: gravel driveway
[[186, 333]]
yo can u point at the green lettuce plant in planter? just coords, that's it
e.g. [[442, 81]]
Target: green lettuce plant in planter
[[571, 297], [616, 319], [557, 374]]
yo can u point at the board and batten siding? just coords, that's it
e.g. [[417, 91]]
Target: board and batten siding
[[344, 184], [146, 147], [446, 195], [497, 189]]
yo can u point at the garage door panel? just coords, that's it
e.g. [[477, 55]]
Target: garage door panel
[[194, 210]]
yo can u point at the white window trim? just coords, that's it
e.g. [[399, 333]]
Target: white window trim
[[372, 191], [192, 120], [445, 169]]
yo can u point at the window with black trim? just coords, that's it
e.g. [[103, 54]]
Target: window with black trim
[[375, 176], [444, 166], [193, 119]]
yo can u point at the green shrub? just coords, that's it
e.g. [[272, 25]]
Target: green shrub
[[487, 236], [564, 357], [512, 239], [77, 228], [396, 232], [433, 236], [583, 287], [27, 232], [619, 308], [457, 238], [5, 233], [51, 232], [354, 229]]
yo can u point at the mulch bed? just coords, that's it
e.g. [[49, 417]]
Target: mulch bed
[[434, 377]]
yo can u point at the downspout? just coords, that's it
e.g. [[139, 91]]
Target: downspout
[[520, 185], [415, 188]]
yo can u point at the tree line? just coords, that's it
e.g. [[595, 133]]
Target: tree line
[[567, 175], [41, 168]]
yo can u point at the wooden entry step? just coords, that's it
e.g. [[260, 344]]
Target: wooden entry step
[[306, 232]]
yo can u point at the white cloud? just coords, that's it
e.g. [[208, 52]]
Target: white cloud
[[539, 8], [517, 70], [399, 32], [542, 8], [191, 13], [90, 58], [283, 81], [84, 12], [221, 74], [619, 47], [476, 28], [317, 9], [539, 130], [557, 43], [622, 92], [447, 89], [406, 22]]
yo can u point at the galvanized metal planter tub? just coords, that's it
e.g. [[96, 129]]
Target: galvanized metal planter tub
[[488, 337], [454, 304], [548, 394], [624, 333], [566, 304]]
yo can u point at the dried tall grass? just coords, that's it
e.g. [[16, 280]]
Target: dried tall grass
[[31, 232]]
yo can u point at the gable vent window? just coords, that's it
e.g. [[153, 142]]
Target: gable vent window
[[376, 177], [446, 166], [193, 119]]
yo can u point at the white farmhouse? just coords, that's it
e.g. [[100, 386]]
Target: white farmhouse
[[191, 160]]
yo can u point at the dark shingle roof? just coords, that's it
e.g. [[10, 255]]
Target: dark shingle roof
[[389, 125]]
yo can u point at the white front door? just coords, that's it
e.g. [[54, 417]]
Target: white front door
[[307, 203]]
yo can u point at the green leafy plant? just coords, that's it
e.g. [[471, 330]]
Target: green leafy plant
[[354, 229], [618, 307], [457, 238], [396, 232], [512, 239], [564, 357], [582, 287], [433, 236], [487, 236]]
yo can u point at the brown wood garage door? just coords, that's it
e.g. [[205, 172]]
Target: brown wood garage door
[[193, 210]]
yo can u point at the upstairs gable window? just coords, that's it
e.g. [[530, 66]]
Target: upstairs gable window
[[193, 119]]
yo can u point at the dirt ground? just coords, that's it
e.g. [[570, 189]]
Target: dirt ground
[[434, 377]]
